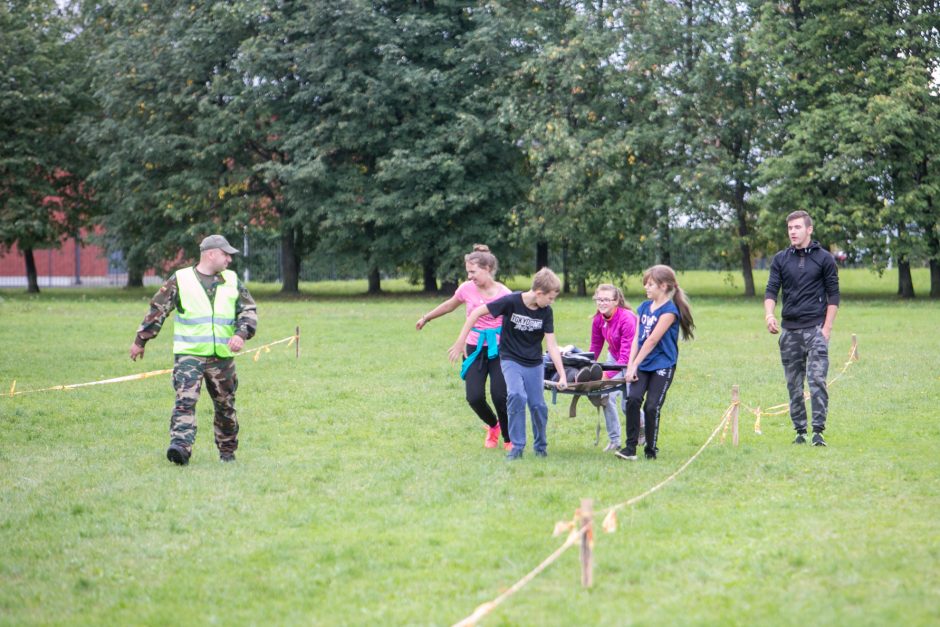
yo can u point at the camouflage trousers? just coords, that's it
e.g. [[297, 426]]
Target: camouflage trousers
[[221, 381], [805, 355]]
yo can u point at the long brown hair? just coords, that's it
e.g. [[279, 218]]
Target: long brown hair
[[664, 275], [483, 258]]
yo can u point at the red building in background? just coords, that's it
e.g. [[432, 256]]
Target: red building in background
[[69, 265]]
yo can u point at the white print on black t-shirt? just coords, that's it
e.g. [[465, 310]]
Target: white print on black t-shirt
[[525, 323]]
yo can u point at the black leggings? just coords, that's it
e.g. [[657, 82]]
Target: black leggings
[[482, 368], [654, 384]]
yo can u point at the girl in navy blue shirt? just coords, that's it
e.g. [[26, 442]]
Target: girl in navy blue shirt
[[654, 355]]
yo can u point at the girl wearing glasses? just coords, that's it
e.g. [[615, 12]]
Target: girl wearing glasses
[[615, 324]]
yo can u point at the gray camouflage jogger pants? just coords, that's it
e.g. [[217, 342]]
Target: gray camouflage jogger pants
[[805, 354], [221, 381]]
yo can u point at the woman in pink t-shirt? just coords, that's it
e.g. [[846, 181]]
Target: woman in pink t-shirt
[[482, 358]]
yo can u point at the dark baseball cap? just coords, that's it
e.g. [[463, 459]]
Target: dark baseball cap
[[217, 241]]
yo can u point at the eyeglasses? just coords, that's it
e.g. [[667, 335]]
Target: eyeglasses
[[602, 301]]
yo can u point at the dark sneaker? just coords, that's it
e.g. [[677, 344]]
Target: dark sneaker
[[800, 438], [541, 453], [627, 452], [583, 375], [227, 457], [649, 454], [514, 454], [177, 455], [818, 439]]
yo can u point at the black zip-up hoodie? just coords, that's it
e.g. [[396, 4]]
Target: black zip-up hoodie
[[810, 281]]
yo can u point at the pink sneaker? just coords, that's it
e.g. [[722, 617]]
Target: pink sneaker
[[507, 446], [492, 437]]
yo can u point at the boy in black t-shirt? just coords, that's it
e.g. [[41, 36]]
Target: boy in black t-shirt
[[527, 318]]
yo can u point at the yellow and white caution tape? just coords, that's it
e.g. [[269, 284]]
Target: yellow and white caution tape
[[574, 533], [784, 408], [142, 375]]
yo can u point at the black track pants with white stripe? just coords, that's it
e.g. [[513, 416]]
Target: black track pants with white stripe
[[653, 385]]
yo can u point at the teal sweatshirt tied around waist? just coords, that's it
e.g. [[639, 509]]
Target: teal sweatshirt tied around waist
[[490, 336]]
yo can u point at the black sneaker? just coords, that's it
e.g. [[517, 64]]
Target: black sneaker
[[227, 457], [650, 454], [583, 375], [177, 455], [627, 452], [818, 439], [514, 454], [800, 438], [541, 453]]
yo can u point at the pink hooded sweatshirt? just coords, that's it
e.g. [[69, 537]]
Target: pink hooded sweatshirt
[[618, 332]]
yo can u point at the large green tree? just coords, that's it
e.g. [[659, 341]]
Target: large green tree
[[573, 104], [43, 195], [384, 114], [452, 172], [156, 171], [858, 93]]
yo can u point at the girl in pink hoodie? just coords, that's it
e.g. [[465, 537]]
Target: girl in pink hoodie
[[615, 324]]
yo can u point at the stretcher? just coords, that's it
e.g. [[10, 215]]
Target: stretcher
[[591, 389]]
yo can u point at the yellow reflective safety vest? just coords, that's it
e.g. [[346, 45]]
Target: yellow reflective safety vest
[[200, 327]]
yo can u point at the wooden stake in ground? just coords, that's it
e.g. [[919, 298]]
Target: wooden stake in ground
[[586, 523], [735, 400], [854, 355], [297, 347]]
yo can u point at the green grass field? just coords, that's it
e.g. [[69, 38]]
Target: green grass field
[[363, 494]]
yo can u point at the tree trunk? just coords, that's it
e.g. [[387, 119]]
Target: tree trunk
[[448, 287], [430, 278], [135, 273], [135, 270], [375, 281], [905, 281], [290, 263], [934, 278], [665, 239], [747, 270], [566, 286], [582, 287], [933, 251], [541, 255], [32, 278], [135, 277]]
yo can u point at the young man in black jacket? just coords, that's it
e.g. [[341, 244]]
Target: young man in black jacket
[[810, 281]]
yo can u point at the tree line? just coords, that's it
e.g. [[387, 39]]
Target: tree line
[[613, 133]]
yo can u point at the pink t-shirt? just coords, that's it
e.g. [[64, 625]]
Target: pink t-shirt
[[469, 293]]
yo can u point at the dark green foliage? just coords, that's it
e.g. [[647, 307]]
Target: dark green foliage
[[42, 193], [858, 92], [605, 135]]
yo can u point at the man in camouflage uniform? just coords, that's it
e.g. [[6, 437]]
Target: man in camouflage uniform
[[215, 316], [810, 281]]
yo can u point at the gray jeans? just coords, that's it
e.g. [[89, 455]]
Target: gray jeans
[[805, 357], [611, 417]]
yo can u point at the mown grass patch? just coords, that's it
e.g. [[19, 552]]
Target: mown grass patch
[[363, 494]]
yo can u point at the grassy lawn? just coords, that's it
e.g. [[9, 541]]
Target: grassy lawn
[[363, 494]]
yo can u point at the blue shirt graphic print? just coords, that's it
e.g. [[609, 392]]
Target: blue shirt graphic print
[[666, 353]]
